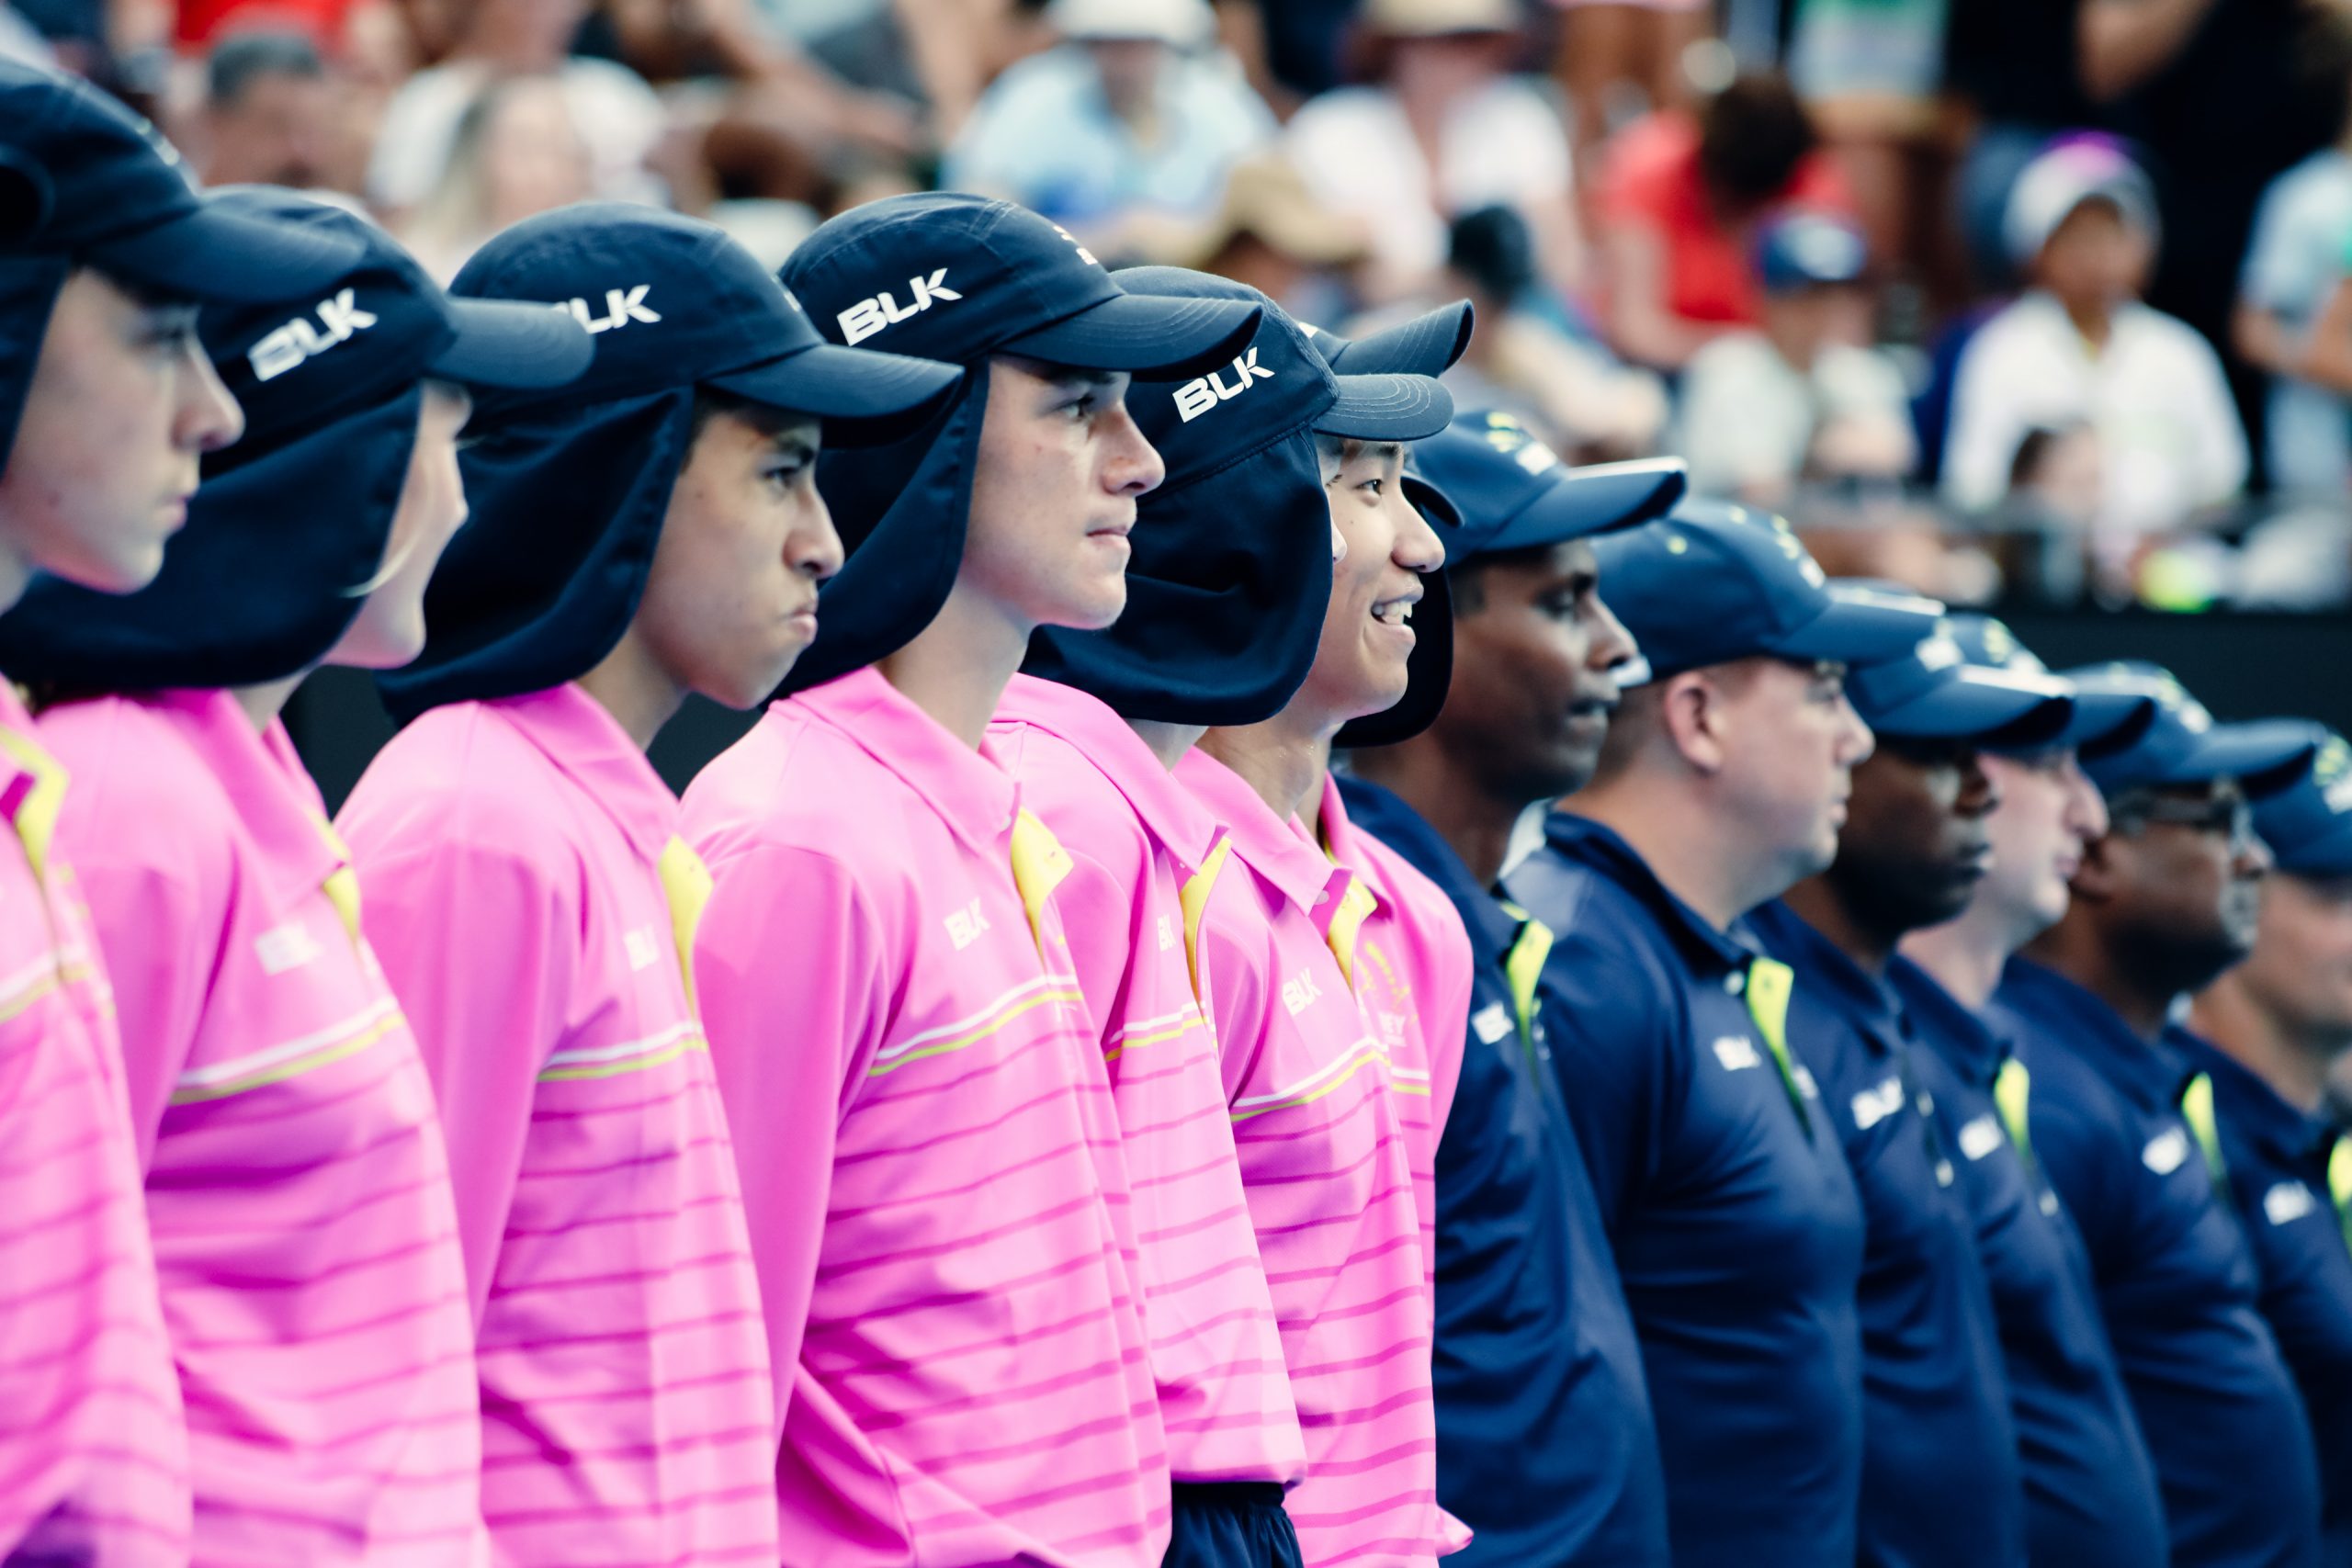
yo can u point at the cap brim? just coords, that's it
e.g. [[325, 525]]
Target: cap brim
[[1155, 337], [864, 395], [1427, 346], [215, 254], [1601, 498], [507, 343], [2266, 755], [1860, 626], [1387, 408], [2006, 711], [2103, 714]]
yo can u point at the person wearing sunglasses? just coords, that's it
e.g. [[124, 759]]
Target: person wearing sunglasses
[[2163, 902]]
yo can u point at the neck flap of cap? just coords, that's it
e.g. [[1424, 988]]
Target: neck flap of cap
[[1226, 591], [29, 288], [267, 575], [902, 511], [543, 580]]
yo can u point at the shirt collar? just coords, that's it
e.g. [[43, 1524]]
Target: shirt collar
[[1170, 813], [1969, 1041], [1587, 842], [263, 782], [1272, 848], [2152, 1074], [2287, 1136], [589, 747], [1382, 813], [1860, 998], [975, 797]]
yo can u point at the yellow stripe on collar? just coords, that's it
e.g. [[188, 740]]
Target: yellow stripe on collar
[[685, 885], [1039, 864], [1195, 899]]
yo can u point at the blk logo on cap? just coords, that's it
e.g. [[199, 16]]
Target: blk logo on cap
[[298, 340], [869, 316], [1201, 393], [622, 306]]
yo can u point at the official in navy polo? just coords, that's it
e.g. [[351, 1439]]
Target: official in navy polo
[[1940, 1482], [2090, 1488], [1545, 1446], [2270, 1028], [2163, 902], [1719, 1175]]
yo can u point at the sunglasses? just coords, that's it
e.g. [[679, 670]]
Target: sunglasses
[[2226, 816]]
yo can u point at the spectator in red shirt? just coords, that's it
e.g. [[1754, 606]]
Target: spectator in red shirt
[[1680, 198]]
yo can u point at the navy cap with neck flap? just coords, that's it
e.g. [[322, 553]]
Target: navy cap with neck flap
[[960, 278], [1232, 570], [288, 534], [568, 488]]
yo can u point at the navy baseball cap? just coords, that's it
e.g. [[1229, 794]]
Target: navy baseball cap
[[1429, 344], [82, 176], [2181, 744], [1513, 493], [672, 302], [2308, 826], [957, 278], [2103, 709], [1231, 574], [1711, 582], [291, 524], [1809, 250], [1933, 693]]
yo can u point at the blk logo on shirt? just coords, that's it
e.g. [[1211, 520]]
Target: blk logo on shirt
[[1300, 992], [1201, 394], [2165, 1152], [285, 947], [1735, 1052], [1980, 1137], [965, 925], [339, 320], [622, 306], [866, 318], [643, 948], [2286, 1203], [1875, 1104], [1167, 933]]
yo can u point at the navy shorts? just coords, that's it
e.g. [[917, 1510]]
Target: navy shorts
[[1230, 1523]]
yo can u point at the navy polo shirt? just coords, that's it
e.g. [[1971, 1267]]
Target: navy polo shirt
[[2278, 1162], [2176, 1279], [1725, 1192], [2090, 1488], [1546, 1446], [1941, 1486]]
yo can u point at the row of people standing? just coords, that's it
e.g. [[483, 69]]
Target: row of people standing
[[1020, 1106]]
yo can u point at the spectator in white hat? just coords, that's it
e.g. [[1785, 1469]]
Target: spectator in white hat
[[1134, 119], [1440, 129], [2080, 345]]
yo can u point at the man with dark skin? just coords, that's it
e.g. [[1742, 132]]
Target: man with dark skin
[[1535, 1347], [2163, 903], [1940, 1480]]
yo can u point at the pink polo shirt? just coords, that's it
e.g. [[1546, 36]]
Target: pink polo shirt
[[532, 903], [297, 1189], [1416, 987], [1325, 1099], [1137, 839], [93, 1444], [937, 1195]]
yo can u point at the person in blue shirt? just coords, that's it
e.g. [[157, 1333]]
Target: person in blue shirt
[[1545, 1446], [2091, 1499], [2270, 1028], [2163, 902], [1940, 1480], [1719, 1175]]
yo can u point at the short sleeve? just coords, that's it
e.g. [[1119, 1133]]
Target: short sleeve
[[791, 974], [1614, 1038]]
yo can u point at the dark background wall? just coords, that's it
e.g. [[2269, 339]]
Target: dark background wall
[[2241, 665]]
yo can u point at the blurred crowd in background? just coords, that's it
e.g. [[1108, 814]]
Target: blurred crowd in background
[[2050, 299]]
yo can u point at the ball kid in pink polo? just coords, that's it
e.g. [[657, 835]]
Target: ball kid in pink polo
[[1226, 594], [1339, 1059], [939, 1200], [297, 1189], [106, 408], [649, 531]]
